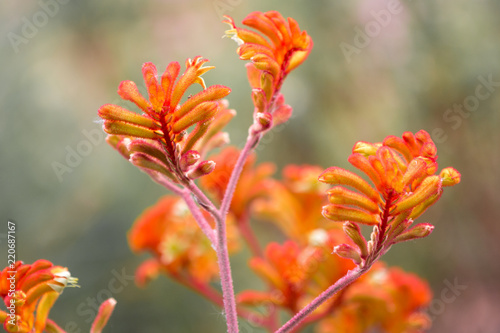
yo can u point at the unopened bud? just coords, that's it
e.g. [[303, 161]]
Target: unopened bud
[[188, 159], [419, 231], [204, 168], [348, 252], [105, 311], [450, 176], [354, 232], [259, 100], [262, 122], [366, 148], [145, 161]]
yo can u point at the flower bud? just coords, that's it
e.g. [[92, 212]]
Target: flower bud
[[105, 311], [145, 161], [348, 252], [188, 159], [366, 148], [204, 168], [419, 231], [354, 232], [450, 176], [259, 99]]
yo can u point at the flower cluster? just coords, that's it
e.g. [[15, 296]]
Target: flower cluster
[[157, 141], [170, 141], [180, 249], [274, 53], [302, 267], [253, 182], [30, 291], [402, 171], [294, 204], [385, 299]]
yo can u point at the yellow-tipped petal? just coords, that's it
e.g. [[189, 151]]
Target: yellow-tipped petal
[[366, 148], [450, 176], [122, 128], [339, 176], [342, 196], [212, 93], [115, 112], [128, 91], [430, 186], [341, 213], [202, 112]]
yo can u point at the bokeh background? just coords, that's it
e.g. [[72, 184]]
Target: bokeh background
[[424, 67]]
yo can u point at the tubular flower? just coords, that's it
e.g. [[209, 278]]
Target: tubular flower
[[402, 171], [297, 273], [179, 247], [276, 49], [294, 203], [29, 292], [158, 141], [253, 182], [389, 300]]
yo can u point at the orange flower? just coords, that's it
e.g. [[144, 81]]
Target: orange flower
[[157, 140], [278, 49], [294, 204], [297, 273], [169, 231], [251, 184], [29, 292], [388, 299], [402, 172]]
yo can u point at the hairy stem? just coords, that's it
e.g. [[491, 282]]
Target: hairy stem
[[226, 278], [343, 282], [235, 175], [198, 216]]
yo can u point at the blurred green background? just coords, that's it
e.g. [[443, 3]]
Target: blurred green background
[[425, 66]]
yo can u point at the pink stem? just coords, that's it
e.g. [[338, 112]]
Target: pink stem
[[198, 216], [225, 276], [343, 282], [235, 175], [164, 181], [202, 199]]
